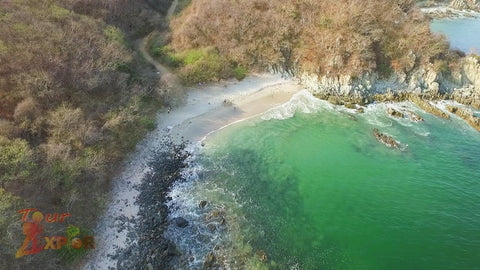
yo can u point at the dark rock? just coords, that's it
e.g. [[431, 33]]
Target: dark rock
[[387, 140], [466, 115], [350, 105], [262, 255], [202, 204], [335, 100], [180, 222], [216, 213], [211, 227], [209, 261], [395, 113], [146, 231]]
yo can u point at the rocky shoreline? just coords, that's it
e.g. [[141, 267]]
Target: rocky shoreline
[[150, 249], [466, 115], [451, 9], [420, 86]]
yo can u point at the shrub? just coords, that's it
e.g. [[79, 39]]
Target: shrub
[[123, 67], [16, 160], [3, 48], [68, 126], [114, 34], [240, 72], [167, 56], [59, 13], [10, 224], [441, 66], [204, 65], [148, 123], [7, 129]]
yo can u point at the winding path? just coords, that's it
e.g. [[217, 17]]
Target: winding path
[[203, 111]]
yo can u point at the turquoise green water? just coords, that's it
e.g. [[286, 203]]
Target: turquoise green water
[[317, 191]]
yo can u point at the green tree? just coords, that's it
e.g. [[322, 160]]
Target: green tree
[[16, 160]]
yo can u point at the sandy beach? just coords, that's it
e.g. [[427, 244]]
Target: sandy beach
[[205, 109]]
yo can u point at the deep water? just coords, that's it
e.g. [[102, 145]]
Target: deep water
[[308, 184], [463, 33]]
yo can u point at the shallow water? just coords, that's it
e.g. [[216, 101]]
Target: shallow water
[[463, 33], [308, 184]]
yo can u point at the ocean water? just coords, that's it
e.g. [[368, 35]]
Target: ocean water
[[463, 33], [308, 184]]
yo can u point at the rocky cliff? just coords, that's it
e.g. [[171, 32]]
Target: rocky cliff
[[466, 4], [462, 85]]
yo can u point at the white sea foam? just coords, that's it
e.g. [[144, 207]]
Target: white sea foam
[[197, 240], [302, 101]]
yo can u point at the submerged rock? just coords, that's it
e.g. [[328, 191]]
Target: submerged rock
[[209, 261], [180, 222], [387, 140], [414, 117], [405, 114], [211, 227], [262, 255], [202, 204]]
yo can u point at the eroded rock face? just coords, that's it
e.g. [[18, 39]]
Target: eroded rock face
[[471, 72], [462, 85], [467, 115], [387, 140], [428, 107]]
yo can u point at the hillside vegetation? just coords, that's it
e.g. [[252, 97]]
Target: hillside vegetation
[[74, 99], [328, 37]]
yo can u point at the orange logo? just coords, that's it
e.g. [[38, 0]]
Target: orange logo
[[33, 231]]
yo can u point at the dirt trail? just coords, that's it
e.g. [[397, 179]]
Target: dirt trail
[[166, 75]]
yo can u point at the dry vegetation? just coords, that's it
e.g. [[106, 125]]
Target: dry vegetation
[[74, 99], [324, 37]]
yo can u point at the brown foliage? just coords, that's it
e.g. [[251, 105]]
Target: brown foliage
[[325, 37], [63, 70]]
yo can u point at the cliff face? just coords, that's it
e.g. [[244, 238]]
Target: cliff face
[[465, 4], [462, 86]]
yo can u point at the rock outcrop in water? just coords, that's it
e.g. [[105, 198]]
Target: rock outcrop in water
[[395, 113], [467, 115], [385, 139], [404, 114]]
